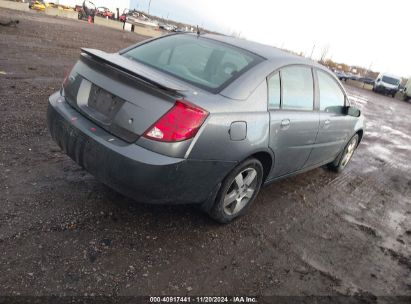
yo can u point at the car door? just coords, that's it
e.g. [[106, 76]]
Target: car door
[[293, 121], [335, 125]]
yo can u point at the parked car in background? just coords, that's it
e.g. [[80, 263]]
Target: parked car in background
[[387, 84], [104, 12], [367, 80], [341, 75], [179, 30], [354, 77], [202, 119], [167, 27], [37, 5]]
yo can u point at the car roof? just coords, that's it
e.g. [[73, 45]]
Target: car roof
[[242, 87], [390, 75], [275, 59], [263, 50]]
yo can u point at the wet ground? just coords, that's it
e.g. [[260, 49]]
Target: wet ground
[[64, 233]]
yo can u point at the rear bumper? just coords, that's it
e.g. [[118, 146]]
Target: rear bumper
[[132, 170]]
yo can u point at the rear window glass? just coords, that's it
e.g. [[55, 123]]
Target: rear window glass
[[203, 62]]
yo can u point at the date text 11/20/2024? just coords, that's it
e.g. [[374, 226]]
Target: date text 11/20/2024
[[208, 299]]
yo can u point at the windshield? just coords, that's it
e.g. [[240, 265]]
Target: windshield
[[390, 80], [203, 62]]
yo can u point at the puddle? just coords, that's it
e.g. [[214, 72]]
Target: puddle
[[369, 169], [372, 134], [392, 131], [358, 101], [395, 219], [362, 226], [380, 152]]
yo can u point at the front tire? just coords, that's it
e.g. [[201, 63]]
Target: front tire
[[345, 156], [238, 191]]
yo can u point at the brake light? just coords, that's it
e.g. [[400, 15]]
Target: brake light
[[181, 122]]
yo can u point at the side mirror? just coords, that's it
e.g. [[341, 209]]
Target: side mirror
[[352, 111]]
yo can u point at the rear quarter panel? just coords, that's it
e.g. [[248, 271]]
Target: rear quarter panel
[[213, 141]]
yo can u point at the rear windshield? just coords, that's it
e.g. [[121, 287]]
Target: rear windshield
[[203, 62], [390, 80]]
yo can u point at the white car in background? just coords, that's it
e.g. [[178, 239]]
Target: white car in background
[[387, 84]]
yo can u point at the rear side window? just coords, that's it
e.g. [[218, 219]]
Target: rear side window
[[298, 88], [203, 62], [331, 96], [274, 91]]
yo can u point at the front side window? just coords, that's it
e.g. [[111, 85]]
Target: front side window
[[203, 62], [298, 88], [274, 91], [331, 96]]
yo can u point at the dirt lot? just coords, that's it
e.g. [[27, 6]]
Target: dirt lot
[[64, 233]]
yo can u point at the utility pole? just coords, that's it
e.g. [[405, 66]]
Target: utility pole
[[366, 74], [312, 52]]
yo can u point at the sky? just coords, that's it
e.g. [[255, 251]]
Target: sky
[[368, 33]]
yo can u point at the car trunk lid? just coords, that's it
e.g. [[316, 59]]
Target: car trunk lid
[[122, 96]]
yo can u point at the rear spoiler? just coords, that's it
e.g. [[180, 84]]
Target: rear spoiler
[[134, 69]]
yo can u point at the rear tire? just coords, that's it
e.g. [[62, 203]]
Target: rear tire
[[238, 191], [345, 156]]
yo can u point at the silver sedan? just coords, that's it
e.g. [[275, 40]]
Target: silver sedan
[[203, 119]]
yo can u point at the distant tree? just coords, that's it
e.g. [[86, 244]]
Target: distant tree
[[331, 64], [345, 67]]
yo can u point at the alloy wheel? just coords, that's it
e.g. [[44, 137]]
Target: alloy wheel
[[240, 191], [349, 152]]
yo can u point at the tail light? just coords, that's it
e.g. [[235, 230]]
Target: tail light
[[181, 122]]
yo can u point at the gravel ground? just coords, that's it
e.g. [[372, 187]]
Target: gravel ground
[[64, 233]]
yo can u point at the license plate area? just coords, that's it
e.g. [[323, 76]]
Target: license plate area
[[105, 103], [97, 103], [102, 108]]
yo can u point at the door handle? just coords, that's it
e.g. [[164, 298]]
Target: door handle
[[285, 123], [327, 123]]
